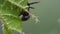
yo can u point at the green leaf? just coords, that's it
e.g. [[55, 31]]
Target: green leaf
[[13, 23], [7, 31], [9, 11]]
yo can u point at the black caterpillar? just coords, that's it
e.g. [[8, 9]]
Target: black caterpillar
[[25, 14]]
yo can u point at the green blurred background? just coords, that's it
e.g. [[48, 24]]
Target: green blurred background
[[49, 16]]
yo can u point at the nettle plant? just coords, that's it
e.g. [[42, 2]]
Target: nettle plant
[[13, 13]]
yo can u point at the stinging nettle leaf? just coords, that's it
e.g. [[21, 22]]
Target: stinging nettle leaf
[[9, 11]]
